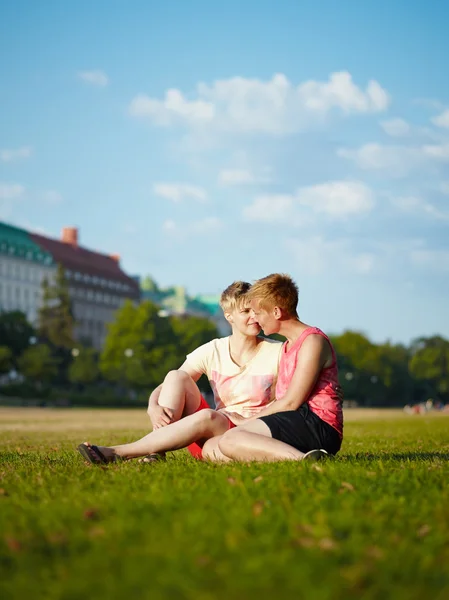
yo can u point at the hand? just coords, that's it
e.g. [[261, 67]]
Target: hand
[[340, 393], [234, 417], [160, 416]]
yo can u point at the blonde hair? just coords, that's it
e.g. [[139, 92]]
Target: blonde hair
[[276, 289], [234, 295]]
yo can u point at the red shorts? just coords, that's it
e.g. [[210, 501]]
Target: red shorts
[[196, 449]]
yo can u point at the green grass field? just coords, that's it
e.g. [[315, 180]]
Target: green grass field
[[371, 524]]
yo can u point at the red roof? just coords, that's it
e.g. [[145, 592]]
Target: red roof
[[86, 261]]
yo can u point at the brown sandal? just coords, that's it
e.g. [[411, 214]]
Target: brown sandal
[[154, 457]]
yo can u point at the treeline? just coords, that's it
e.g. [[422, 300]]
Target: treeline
[[142, 346], [393, 374]]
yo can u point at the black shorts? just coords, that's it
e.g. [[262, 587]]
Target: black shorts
[[304, 430]]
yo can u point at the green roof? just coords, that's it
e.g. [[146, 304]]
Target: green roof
[[16, 242]]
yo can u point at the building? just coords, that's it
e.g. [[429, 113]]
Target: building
[[175, 301], [97, 284]]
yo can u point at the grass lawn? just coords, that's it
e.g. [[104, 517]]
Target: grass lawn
[[372, 524]]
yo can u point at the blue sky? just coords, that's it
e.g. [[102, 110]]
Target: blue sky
[[206, 143]]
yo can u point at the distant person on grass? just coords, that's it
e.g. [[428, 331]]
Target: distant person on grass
[[307, 417], [242, 370]]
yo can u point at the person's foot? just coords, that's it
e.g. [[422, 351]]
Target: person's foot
[[314, 455], [97, 454], [154, 457]]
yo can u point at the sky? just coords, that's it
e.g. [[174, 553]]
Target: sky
[[207, 142]]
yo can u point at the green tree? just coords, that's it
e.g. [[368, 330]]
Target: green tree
[[55, 320], [429, 364], [192, 332], [6, 360], [140, 347], [149, 285], [84, 367], [15, 333], [38, 364]]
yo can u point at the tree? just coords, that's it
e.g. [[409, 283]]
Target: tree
[[6, 362], [149, 285], [55, 320], [38, 364], [192, 332], [429, 364], [140, 347], [15, 333], [84, 367]]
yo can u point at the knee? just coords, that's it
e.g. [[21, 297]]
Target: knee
[[176, 376], [229, 442], [207, 415]]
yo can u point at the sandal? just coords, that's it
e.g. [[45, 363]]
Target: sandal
[[154, 457], [94, 455]]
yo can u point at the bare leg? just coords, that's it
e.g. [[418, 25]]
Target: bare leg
[[253, 442], [206, 423], [211, 451], [180, 393]]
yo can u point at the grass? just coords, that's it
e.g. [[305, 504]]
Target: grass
[[372, 524]]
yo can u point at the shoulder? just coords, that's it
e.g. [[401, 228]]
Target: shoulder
[[271, 346], [269, 342], [315, 343], [208, 347]]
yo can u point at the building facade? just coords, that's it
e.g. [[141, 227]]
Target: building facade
[[97, 284], [175, 301]]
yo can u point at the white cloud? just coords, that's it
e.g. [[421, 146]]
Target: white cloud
[[176, 192], [442, 120], [235, 177], [435, 260], [335, 199], [96, 77], [251, 105], [169, 226], [271, 208], [9, 155], [11, 191], [174, 108], [315, 256], [205, 226], [437, 151], [242, 177], [417, 206], [396, 160], [395, 127]]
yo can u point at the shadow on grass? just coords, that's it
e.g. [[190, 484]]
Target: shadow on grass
[[396, 456]]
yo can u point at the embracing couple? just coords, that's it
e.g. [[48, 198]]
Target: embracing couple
[[273, 401]]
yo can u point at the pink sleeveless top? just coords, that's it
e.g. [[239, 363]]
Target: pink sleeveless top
[[323, 400]]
